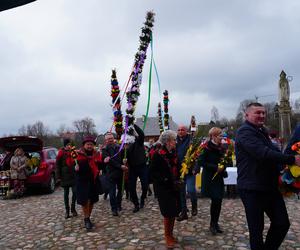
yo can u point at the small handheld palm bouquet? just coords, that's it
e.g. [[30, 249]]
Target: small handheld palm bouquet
[[289, 180]]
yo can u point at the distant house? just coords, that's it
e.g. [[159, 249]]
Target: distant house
[[152, 128]]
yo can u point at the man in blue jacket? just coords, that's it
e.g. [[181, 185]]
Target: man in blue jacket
[[182, 144], [258, 165]]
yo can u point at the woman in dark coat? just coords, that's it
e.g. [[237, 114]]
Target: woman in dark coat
[[87, 170], [212, 176], [66, 174], [164, 167]]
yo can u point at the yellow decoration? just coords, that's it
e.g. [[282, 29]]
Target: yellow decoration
[[190, 157], [295, 171], [220, 166], [198, 180], [33, 162], [184, 170]]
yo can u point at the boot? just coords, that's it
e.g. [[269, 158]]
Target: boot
[[218, 229], [172, 221], [74, 212], [67, 214], [87, 224], [115, 213], [142, 203], [212, 229], [194, 208], [136, 208], [169, 241], [183, 216]]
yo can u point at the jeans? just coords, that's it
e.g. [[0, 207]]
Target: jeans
[[141, 172], [257, 203], [190, 181]]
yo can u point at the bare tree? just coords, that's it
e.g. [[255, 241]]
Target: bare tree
[[85, 126], [22, 130], [37, 129], [241, 111], [63, 129], [214, 114]]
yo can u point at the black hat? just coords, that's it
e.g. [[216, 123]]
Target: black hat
[[66, 141]]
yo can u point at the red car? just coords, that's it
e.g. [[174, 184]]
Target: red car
[[42, 170]]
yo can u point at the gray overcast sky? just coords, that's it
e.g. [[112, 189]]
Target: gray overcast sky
[[56, 57]]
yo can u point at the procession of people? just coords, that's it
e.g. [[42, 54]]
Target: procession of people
[[258, 160]]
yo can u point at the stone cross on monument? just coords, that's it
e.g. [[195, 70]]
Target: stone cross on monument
[[284, 108]]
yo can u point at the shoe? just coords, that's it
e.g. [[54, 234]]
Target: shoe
[[194, 209], [115, 213], [136, 209], [213, 230], [74, 213], [142, 204], [67, 215], [183, 216], [218, 229], [105, 196], [194, 212], [87, 223]]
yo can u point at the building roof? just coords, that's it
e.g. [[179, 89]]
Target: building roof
[[152, 127]]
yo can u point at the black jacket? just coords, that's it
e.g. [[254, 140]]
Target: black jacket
[[209, 159], [258, 160], [163, 181], [136, 154], [65, 172], [113, 167]]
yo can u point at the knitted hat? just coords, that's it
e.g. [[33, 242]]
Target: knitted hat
[[89, 138], [66, 141]]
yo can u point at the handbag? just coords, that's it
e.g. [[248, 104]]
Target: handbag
[[178, 185], [224, 174], [104, 184]]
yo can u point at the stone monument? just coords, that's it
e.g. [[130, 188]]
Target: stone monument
[[284, 108]]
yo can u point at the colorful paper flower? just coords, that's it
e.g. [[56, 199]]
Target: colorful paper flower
[[166, 109], [160, 123], [116, 101], [136, 76]]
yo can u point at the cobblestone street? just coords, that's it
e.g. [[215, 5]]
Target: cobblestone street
[[37, 222]]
